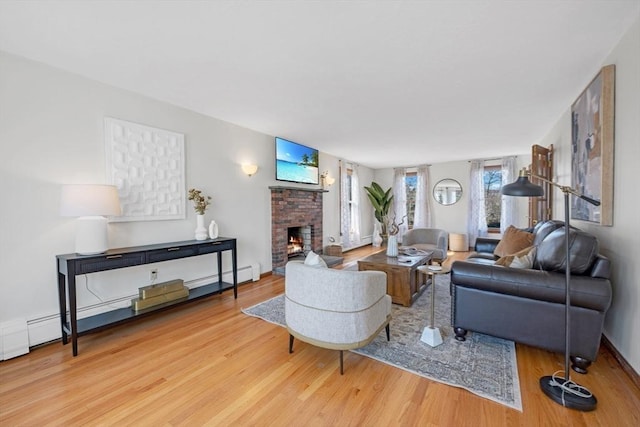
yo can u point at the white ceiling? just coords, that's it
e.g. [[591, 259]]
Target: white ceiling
[[380, 83]]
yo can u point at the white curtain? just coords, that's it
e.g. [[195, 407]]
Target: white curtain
[[422, 214], [477, 216], [349, 205], [399, 200], [345, 206], [508, 206], [355, 205]]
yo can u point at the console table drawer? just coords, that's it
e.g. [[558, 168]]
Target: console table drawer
[[215, 247], [109, 262], [171, 253]]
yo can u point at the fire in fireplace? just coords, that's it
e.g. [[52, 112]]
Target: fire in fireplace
[[298, 240]]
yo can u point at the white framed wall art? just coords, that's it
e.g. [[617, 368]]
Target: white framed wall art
[[146, 164]]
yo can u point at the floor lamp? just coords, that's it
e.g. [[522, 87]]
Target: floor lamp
[[561, 390]]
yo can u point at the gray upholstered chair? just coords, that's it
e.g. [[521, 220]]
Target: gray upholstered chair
[[428, 239], [335, 309]]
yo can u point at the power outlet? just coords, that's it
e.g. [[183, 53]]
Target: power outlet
[[153, 275]]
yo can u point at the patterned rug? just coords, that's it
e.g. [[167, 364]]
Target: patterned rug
[[483, 365]]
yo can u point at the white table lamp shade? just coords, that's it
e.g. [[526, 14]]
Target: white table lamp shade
[[90, 203], [88, 200]]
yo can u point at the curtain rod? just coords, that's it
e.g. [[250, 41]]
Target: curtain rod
[[411, 167], [488, 160]]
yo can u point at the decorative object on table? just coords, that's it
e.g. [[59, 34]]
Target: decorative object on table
[[592, 141], [249, 169], [392, 246], [213, 230], [200, 204], [200, 231], [90, 203], [392, 229], [381, 201], [561, 390], [160, 294], [147, 166], [448, 363], [376, 239]]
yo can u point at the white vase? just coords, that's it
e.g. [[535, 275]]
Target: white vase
[[201, 231], [213, 230], [376, 241], [392, 246]]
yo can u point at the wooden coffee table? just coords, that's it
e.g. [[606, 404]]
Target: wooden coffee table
[[404, 281]]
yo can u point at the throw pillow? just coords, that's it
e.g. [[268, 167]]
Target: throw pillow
[[314, 260], [513, 240], [522, 259]]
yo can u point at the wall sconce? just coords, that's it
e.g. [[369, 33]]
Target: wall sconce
[[90, 203], [326, 180], [250, 169]]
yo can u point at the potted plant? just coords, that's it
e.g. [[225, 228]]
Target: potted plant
[[381, 201], [200, 204]]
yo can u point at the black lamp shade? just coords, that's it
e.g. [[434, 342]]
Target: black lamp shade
[[522, 188]]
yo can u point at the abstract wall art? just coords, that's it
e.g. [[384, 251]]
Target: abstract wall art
[[592, 148], [146, 164]]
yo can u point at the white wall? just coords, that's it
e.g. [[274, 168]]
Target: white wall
[[51, 133], [619, 242]]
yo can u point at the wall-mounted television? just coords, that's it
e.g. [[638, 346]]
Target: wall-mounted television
[[296, 162]]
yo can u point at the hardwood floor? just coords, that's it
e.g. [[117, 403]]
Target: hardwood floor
[[209, 364]]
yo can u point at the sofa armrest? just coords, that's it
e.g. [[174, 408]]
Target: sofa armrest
[[586, 292], [486, 245]]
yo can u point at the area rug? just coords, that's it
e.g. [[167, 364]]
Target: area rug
[[483, 365]]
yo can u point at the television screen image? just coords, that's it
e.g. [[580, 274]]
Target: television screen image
[[296, 162]]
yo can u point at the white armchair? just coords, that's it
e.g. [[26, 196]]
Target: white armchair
[[428, 239], [335, 309]]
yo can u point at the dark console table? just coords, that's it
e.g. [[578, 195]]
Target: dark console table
[[71, 265]]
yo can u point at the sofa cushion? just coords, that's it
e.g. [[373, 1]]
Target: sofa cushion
[[522, 259], [543, 228], [583, 249], [513, 240]]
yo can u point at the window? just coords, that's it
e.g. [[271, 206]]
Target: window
[[492, 197], [411, 183], [349, 205], [353, 206]]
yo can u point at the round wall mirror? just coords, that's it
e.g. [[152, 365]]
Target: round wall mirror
[[447, 191]]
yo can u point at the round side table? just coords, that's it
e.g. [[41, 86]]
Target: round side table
[[431, 335]]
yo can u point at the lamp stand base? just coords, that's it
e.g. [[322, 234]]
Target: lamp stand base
[[431, 336], [551, 386]]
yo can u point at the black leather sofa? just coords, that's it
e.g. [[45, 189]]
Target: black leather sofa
[[527, 305]]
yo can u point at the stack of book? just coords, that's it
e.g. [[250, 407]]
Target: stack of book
[[164, 293]]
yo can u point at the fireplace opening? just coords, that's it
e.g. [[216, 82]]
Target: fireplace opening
[[298, 241]]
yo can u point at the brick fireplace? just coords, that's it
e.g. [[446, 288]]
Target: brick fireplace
[[293, 207]]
